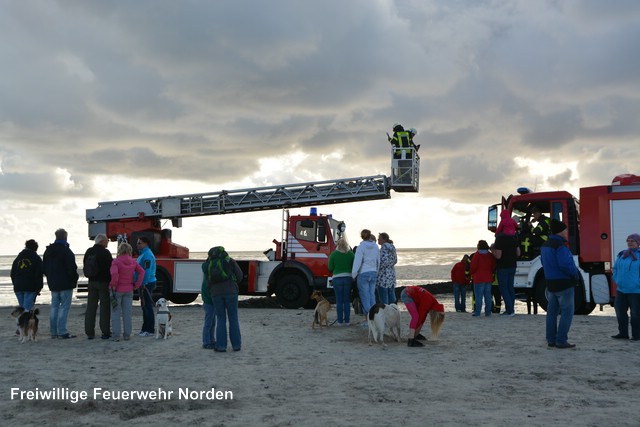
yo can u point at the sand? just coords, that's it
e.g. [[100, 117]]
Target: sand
[[481, 371]]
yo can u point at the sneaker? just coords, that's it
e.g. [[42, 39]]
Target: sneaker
[[347, 324], [105, 337], [551, 344], [208, 346], [504, 313], [126, 337], [620, 337], [421, 337], [511, 314], [475, 315], [364, 325], [114, 339], [90, 337], [145, 334]]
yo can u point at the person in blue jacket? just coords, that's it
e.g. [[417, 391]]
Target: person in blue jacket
[[626, 274], [561, 275], [147, 261]]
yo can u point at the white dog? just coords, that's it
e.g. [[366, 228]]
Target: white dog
[[163, 319], [376, 323], [392, 320]]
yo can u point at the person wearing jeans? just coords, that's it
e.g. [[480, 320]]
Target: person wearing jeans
[[147, 261], [209, 327], [223, 275], [340, 265], [26, 275], [482, 268], [59, 265], [506, 251], [60, 305], [561, 275], [365, 271]]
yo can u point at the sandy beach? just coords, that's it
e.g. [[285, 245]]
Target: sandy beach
[[481, 371]]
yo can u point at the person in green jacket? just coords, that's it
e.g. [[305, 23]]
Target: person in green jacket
[[340, 265]]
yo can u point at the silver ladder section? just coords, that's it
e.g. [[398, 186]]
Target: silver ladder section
[[245, 200], [405, 170]]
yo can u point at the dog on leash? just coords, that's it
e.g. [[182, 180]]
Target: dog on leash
[[27, 322], [163, 319], [322, 308]]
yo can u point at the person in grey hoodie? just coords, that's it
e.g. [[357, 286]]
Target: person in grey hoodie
[[365, 270]]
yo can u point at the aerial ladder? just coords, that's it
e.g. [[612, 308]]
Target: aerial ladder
[[126, 220]]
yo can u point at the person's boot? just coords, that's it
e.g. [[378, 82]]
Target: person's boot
[[414, 343]]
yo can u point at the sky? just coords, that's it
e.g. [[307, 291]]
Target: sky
[[117, 100]]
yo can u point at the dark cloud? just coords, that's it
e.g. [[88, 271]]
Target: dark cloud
[[206, 91]]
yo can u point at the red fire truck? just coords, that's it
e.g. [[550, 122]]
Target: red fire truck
[[296, 266], [598, 224]]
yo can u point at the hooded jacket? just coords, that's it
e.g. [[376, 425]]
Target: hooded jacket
[[26, 272], [122, 274], [367, 258], [59, 265]]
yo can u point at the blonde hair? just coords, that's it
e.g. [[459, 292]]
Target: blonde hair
[[437, 319], [125, 248], [342, 245]]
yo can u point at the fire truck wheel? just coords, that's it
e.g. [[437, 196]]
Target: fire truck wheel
[[292, 291]]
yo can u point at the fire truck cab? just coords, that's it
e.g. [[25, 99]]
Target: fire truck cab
[[597, 224]]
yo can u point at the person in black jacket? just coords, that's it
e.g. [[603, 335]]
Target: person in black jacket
[[59, 265], [98, 288], [26, 275]]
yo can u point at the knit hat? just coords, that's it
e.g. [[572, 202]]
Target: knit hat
[[635, 237], [557, 226]]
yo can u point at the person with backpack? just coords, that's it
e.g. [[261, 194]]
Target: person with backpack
[[95, 266], [223, 275], [27, 276]]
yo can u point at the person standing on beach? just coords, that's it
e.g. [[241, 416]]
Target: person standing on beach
[[386, 281], [626, 274], [340, 265], [365, 271], [59, 265], [147, 261], [482, 267], [98, 288], [419, 303], [460, 279], [209, 327], [561, 276], [26, 275], [223, 275], [506, 251], [124, 270]]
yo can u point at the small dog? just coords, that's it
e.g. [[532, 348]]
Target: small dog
[[27, 322], [376, 323], [322, 308], [392, 320], [163, 319]]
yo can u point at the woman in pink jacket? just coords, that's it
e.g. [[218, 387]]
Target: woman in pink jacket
[[122, 286]]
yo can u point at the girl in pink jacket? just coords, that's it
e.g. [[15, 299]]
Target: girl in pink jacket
[[122, 286]]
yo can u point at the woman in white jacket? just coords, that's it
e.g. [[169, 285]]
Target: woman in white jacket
[[365, 270]]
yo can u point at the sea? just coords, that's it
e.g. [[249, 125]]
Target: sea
[[415, 267]]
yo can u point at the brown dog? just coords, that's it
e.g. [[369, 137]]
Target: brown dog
[[322, 308]]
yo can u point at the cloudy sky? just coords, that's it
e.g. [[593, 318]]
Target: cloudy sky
[[130, 99]]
